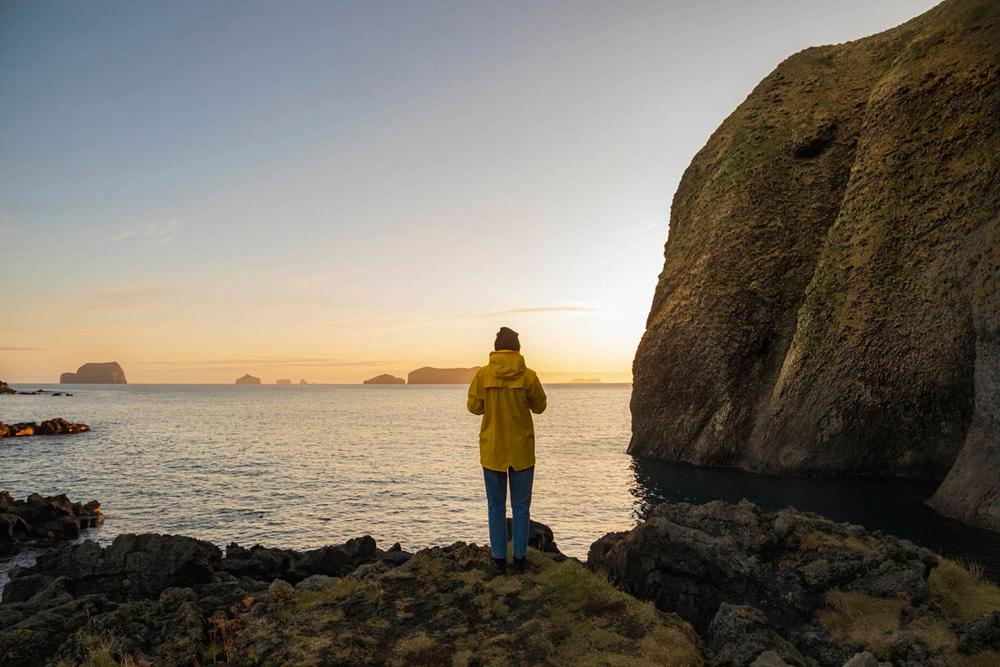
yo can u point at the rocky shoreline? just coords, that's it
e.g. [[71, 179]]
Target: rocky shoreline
[[57, 426], [7, 389], [731, 585]]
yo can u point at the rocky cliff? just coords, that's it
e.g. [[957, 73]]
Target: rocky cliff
[[429, 375], [829, 297], [108, 372]]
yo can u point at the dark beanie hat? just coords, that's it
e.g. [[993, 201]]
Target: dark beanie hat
[[507, 340]]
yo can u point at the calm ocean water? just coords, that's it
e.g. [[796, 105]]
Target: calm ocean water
[[303, 466]]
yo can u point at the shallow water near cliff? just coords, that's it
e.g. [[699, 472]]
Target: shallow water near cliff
[[302, 466]]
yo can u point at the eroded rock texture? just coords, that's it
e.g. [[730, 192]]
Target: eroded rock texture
[[829, 298]]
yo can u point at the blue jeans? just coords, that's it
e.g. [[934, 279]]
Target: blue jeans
[[520, 505]]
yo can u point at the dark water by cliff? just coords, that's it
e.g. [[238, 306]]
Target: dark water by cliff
[[302, 466], [893, 506]]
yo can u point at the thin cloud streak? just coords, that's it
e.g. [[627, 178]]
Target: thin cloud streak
[[267, 362], [120, 298], [539, 309], [23, 349], [162, 231]]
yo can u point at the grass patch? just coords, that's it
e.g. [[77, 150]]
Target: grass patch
[[870, 621], [446, 607], [960, 592], [818, 540]]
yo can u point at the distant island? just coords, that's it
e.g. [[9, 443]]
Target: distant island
[[585, 381], [283, 381], [303, 381], [108, 372], [248, 379], [385, 378], [429, 375]]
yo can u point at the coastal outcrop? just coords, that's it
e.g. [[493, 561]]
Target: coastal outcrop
[[174, 600], [57, 426], [800, 587], [43, 520], [7, 389], [385, 378], [248, 379], [829, 297], [108, 372], [430, 375]]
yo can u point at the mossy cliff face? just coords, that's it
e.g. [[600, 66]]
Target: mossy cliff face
[[828, 302]]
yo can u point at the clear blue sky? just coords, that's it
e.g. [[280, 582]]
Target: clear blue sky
[[334, 190]]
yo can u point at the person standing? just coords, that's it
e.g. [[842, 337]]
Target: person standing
[[505, 392]]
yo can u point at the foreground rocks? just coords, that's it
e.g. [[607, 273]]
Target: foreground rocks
[[173, 600], [57, 426], [831, 281], [800, 588], [108, 372], [39, 520]]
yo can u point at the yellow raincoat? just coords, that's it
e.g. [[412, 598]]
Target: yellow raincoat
[[505, 392]]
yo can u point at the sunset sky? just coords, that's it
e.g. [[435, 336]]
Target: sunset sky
[[331, 190]]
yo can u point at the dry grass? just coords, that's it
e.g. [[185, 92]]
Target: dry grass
[[872, 622], [956, 591], [446, 608], [104, 652], [962, 592], [819, 540]]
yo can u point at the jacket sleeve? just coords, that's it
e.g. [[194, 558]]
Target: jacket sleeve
[[536, 397], [475, 403]]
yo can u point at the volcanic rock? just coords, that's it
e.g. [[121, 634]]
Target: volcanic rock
[[57, 426], [789, 582], [830, 295], [39, 520]]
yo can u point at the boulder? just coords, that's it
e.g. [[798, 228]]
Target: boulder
[[268, 564], [540, 537], [740, 635], [38, 520], [5, 388], [316, 582], [133, 566], [108, 372], [980, 634]]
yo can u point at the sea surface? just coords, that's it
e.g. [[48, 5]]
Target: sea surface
[[303, 466]]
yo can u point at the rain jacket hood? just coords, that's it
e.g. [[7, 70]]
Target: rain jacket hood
[[505, 392], [507, 365]]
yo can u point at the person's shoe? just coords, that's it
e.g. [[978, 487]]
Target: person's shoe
[[520, 565], [500, 565]]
